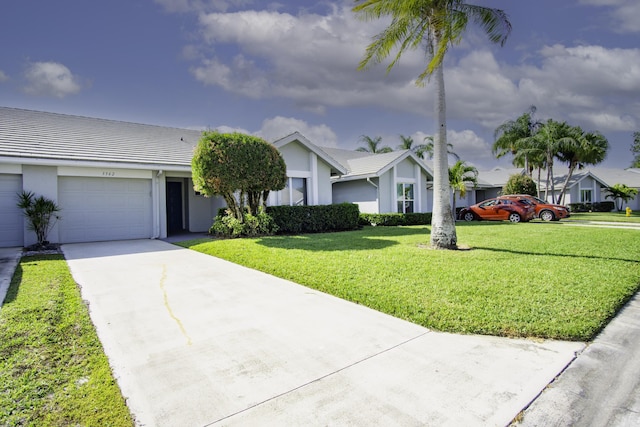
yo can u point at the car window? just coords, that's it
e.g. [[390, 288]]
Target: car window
[[488, 203]]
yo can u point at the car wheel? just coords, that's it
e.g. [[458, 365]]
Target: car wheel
[[469, 216], [547, 216], [514, 217]]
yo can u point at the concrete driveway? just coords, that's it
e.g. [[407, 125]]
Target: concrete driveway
[[197, 341]]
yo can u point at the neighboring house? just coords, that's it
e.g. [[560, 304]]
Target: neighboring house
[[309, 171], [382, 183], [590, 184], [585, 186], [116, 180]]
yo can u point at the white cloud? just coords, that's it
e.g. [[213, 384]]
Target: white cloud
[[50, 79], [596, 85], [311, 59], [3, 76], [470, 147], [278, 127], [625, 14]]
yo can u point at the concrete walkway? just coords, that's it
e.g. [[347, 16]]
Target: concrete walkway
[[9, 258], [601, 388], [198, 341]]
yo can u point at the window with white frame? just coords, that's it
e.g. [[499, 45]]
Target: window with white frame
[[586, 195], [294, 193], [405, 197]]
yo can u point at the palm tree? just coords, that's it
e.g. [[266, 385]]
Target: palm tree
[[621, 193], [550, 139], [407, 144], [511, 137], [459, 175], [436, 25], [591, 149], [429, 148], [372, 145], [635, 149]]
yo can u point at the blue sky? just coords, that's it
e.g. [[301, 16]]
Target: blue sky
[[270, 68]]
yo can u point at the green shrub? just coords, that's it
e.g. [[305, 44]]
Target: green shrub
[[520, 184], [315, 219], [227, 225], [395, 219], [606, 206]]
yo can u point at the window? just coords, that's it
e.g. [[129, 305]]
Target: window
[[405, 198], [586, 196], [295, 192]]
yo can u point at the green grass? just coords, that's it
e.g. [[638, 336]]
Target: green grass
[[53, 371], [526, 280], [606, 216]]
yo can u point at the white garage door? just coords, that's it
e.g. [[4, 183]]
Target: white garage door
[[11, 218], [95, 209]]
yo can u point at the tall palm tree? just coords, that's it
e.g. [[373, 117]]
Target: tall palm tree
[[459, 175], [372, 145], [511, 137], [407, 143], [591, 149], [436, 25], [552, 137]]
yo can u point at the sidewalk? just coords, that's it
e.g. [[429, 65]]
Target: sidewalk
[[601, 388]]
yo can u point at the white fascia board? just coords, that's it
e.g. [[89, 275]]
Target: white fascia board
[[297, 136], [89, 163], [344, 178]]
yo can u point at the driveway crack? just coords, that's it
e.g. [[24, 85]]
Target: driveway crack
[[163, 280]]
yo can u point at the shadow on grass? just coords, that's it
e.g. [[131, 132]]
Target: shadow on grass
[[566, 255], [369, 238], [14, 287]]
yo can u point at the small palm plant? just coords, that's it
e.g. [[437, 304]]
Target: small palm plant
[[41, 213]]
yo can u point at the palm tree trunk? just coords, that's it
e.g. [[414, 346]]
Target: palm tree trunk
[[572, 167], [443, 228]]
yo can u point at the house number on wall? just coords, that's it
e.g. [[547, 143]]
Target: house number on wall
[[105, 173]]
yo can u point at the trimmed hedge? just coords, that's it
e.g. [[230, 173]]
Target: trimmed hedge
[[606, 206], [395, 219], [315, 219]]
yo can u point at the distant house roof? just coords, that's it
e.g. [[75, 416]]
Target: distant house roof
[[298, 137], [28, 134], [361, 165], [497, 177]]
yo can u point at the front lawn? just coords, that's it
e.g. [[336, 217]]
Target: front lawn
[[53, 371], [526, 280], [606, 216]]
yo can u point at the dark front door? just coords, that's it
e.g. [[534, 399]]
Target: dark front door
[[174, 207]]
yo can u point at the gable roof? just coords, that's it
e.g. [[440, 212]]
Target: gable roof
[[497, 177], [27, 134], [298, 137], [362, 165]]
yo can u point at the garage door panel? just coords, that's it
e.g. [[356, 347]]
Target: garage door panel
[[96, 209], [11, 218]]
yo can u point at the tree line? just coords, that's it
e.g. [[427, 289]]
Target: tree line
[[537, 145]]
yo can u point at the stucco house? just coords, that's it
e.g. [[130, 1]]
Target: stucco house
[[118, 180], [383, 183], [586, 185]]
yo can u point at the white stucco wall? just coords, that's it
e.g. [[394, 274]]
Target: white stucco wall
[[325, 194], [43, 181], [360, 192]]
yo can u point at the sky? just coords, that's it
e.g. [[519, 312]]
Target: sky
[[272, 68]]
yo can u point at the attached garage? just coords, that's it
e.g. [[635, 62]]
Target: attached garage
[[11, 218], [97, 209]]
